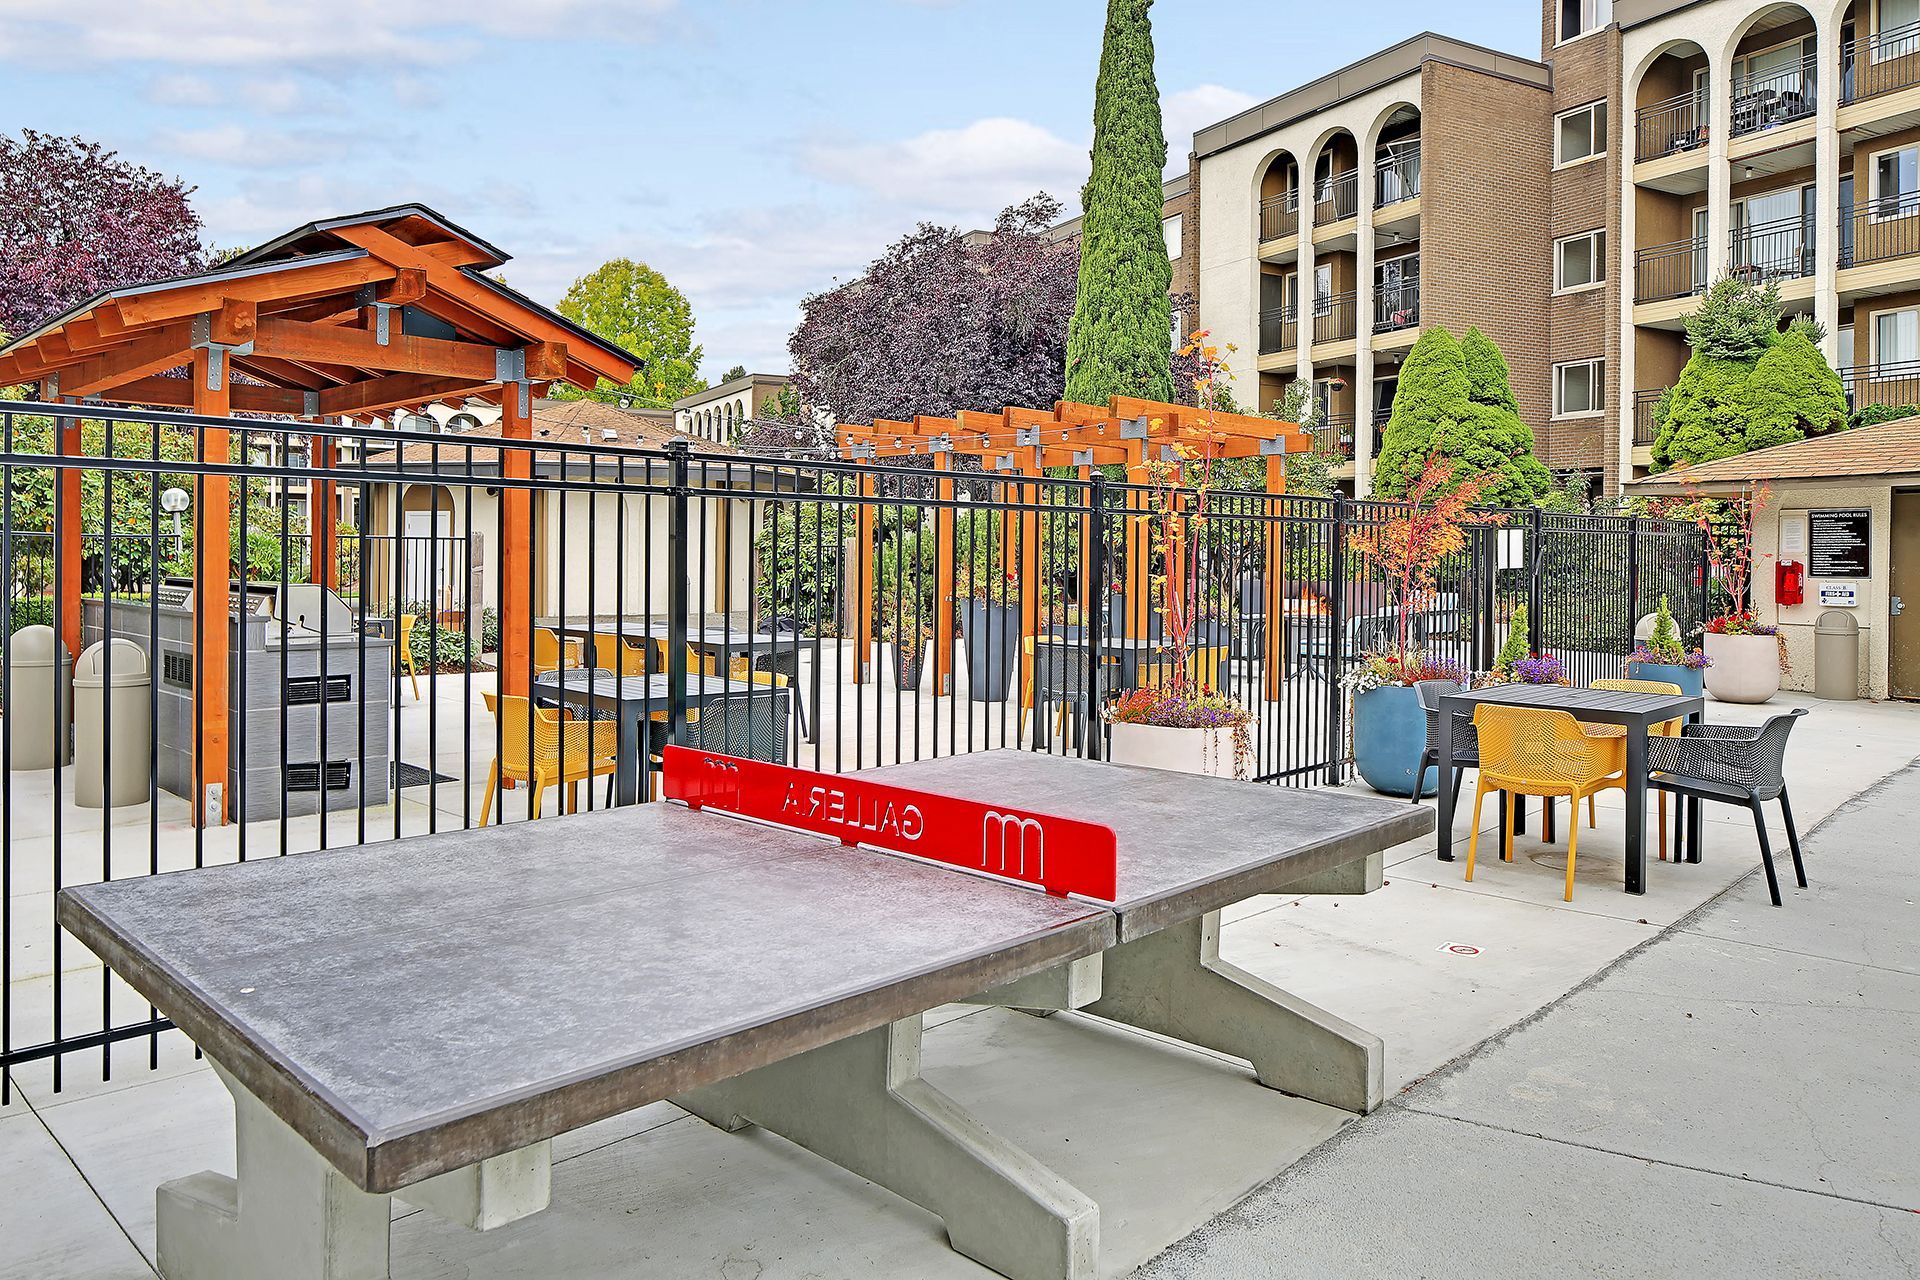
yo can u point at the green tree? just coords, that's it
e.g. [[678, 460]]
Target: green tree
[[631, 305], [1120, 341], [738, 371], [1492, 437], [1514, 647], [1434, 396], [1703, 413], [1791, 391], [1737, 320]]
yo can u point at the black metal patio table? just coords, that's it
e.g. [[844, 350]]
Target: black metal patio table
[[720, 642], [1637, 713], [635, 699]]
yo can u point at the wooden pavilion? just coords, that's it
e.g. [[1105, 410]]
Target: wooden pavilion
[[1126, 431], [349, 318]]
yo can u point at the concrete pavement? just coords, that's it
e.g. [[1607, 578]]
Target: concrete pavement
[[1733, 1098]]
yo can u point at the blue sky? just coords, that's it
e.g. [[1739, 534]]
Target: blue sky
[[752, 150]]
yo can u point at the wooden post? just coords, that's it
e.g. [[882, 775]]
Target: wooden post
[[212, 596], [322, 551], [1092, 594], [516, 554], [943, 570], [1276, 562], [69, 534], [863, 569], [1031, 585]]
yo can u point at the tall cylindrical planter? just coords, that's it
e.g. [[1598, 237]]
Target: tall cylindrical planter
[[993, 649], [1389, 735], [1688, 678], [907, 665], [1745, 668]]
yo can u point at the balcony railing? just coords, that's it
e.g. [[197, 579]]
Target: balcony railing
[[1280, 215], [1335, 435], [1776, 98], [1644, 427], [1880, 63], [1664, 128], [1777, 250], [1889, 382], [1333, 317], [1381, 415], [1397, 306], [1880, 229], [1279, 330], [1337, 197], [1675, 270], [1396, 176]]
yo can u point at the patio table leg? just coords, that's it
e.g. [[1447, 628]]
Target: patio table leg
[[1174, 983], [630, 746], [860, 1102], [289, 1213], [1636, 809], [1443, 780]]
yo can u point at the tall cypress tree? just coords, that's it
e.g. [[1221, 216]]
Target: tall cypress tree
[[1120, 340]]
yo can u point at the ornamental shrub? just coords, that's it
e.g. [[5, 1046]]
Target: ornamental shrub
[[1736, 320], [1706, 412], [1872, 415], [1792, 391], [1514, 647], [1456, 399], [1433, 396]]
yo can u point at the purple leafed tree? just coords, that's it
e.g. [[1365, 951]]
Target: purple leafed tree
[[76, 219], [937, 324]]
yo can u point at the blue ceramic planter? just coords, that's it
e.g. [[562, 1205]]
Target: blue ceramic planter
[[1389, 733], [1692, 680]]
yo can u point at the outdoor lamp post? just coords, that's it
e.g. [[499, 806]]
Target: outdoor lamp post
[[173, 502]]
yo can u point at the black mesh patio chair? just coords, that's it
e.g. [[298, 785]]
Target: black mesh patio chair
[[1060, 678], [781, 661], [1733, 764], [751, 725], [1466, 741]]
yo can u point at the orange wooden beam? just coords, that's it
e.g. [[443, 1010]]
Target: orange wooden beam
[[68, 533], [516, 551], [360, 349], [293, 283], [390, 392], [212, 593], [166, 348], [177, 393]]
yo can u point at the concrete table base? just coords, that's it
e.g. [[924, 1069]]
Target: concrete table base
[[860, 1102], [291, 1214]]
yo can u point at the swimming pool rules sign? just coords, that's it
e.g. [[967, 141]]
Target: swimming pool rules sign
[[1060, 855]]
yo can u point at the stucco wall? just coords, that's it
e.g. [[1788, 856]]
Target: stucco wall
[[1796, 621]]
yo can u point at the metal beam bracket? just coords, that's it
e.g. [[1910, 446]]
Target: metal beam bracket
[[509, 365], [1135, 429], [1027, 437]]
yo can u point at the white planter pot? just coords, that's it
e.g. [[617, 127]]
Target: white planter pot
[[1745, 668], [1204, 751]]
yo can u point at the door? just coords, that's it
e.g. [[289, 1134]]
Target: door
[[429, 559], [1903, 627]]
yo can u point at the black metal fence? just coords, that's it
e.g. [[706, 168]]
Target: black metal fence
[[605, 601]]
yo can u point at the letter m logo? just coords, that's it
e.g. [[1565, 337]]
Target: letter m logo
[[1008, 840]]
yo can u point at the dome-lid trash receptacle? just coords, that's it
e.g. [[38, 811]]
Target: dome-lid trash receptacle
[[1836, 656], [39, 710], [112, 725]]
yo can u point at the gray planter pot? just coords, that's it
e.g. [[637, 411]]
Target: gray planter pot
[[993, 649]]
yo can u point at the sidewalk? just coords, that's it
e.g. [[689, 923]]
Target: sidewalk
[[1734, 1098]]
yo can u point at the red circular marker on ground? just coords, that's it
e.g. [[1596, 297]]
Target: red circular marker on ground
[[1462, 949]]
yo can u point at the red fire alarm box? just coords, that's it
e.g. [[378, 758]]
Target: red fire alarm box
[[1789, 582]]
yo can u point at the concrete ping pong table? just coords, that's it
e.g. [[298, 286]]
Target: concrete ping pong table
[[420, 1018]]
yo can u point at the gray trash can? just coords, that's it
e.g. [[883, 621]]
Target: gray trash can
[[39, 710], [1836, 656], [122, 692]]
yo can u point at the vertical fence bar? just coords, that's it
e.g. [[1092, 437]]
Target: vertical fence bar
[[677, 587]]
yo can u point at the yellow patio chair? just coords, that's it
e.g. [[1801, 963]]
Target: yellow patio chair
[[547, 649], [1529, 752], [406, 651], [564, 750], [1614, 733], [620, 655]]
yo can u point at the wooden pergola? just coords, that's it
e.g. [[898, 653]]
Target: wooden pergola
[[350, 318], [1020, 442]]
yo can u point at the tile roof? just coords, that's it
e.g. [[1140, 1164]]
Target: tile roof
[[578, 422], [1890, 448]]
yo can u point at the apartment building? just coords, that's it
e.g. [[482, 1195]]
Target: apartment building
[[1573, 208], [717, 412]]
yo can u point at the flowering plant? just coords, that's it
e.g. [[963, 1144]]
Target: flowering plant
[[1380, 670], [1177, 706], [1740, 623], [1663, 647], [1539, 668]]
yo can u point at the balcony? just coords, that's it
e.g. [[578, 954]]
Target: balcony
[[1675, 270], [1880, 63], [1279, 216], [1777, 250], [1397, 175], [1334, 316], [1336, 198], [1335, 435], [1397, 306], [1774, 99], [1894, 382], [1279, 330], [1880, 230], [1644, 426], [1669, 127]]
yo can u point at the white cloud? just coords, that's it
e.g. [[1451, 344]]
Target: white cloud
[[974, 170], [338, 34], [1190, 109], [248, 148], [182, 91]]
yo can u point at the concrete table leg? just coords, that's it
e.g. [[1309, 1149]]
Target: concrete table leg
[[1174, 983], [1072, 985], [498, 1190], [861, 1103], [289, 1214]]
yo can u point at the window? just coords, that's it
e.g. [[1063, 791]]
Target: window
[[1895, 34], [1579, 389], [1323, 288], [1171, 226], [1896, 338], [1896, 182], [1577, 17], [1580, 133], [1579, 260]]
